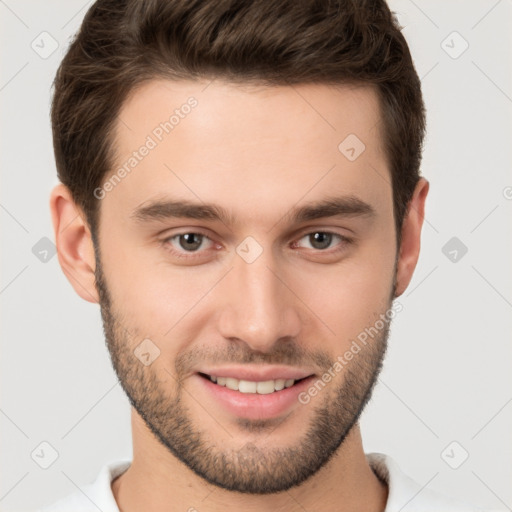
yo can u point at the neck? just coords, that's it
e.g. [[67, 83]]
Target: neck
[[156, 481]]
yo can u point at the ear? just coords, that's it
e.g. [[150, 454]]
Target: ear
[[411, 236], [73, 239]]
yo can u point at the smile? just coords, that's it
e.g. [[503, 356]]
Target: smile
[[246, 386]]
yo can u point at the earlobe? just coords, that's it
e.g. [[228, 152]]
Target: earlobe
[[73, 239], [411, 237]]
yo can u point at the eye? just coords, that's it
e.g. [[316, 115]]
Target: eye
[[187, 242], [322, 240], [193, 244]]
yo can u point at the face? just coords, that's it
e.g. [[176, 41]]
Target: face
[[244, 246]]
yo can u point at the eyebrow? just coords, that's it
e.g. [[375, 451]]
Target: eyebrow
[[344, 206]]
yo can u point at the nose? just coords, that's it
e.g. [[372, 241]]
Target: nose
[[258, 307]]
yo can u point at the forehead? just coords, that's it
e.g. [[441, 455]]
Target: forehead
[[250, 112], [248, 148]]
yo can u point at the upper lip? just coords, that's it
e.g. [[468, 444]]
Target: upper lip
[[258, 373]]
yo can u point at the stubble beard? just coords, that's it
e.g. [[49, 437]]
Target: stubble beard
[[251, 468]]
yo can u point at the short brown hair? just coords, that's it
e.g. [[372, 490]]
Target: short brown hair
[[123, 43]]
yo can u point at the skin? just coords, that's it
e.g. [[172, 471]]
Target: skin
[[258, 152]]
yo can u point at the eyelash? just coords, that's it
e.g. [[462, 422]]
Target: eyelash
[[344, 241]]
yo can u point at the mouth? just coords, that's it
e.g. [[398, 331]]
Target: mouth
[[265, 387], [254, 391]]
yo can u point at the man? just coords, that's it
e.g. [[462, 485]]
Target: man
[[241, 195]]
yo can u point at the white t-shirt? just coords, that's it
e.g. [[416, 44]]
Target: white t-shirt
[[405, 495]]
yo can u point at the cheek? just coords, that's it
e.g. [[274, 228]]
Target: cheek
[[148, 292], [349, 296], [157, 298]]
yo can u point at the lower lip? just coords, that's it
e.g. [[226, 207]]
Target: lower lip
[[253, 405]]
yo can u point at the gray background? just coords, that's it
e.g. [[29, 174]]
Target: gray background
[[447, 377]]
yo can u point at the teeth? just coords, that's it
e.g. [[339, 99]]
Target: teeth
[[279, 384], [246, 386], [265, 387], [232, 383]]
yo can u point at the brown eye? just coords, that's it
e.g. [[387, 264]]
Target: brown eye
[[190, 241], [320, 240], [188, 244]]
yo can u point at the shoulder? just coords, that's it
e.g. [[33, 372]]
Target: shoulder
[[95, 496], [407, 495]]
